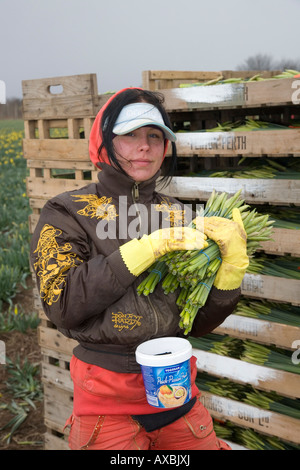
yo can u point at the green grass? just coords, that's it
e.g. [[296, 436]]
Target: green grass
[[11, 125], [15, 209]]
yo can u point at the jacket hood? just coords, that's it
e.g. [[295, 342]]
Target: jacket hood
[[96, 134]]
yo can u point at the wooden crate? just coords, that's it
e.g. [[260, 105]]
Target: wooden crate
[[279, 335], [57, 408], [273, 288], [56, 352], [204, 107], [75, 99], [269, 93], [224, 102], [261, 378], [271, 143], [61, 162], [164, 79], [246, 416], [254, 191], [284, 242], [57, 129]]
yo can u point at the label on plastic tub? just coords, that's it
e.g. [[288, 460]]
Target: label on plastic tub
[[167, 387]]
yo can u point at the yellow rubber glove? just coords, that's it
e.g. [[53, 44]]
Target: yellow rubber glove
[[231, 238], [138, 255]]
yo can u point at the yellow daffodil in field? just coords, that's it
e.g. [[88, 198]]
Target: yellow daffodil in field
[[10, 146]]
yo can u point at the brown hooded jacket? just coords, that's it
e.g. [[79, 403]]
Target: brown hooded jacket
[[85, 287]]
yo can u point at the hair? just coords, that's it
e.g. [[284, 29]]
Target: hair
[[111, 113]]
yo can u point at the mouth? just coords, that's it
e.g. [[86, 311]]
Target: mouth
[[141, 162]]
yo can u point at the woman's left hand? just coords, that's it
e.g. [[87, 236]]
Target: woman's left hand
[[231, 238]]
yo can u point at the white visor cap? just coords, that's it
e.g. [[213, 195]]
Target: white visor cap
[[138, 115]]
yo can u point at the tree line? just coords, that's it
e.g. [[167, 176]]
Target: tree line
[[266, 62], [12, 109]]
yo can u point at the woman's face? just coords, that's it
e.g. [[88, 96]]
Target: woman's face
[[140, 152]]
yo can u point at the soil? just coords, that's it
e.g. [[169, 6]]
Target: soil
[[30, 435]]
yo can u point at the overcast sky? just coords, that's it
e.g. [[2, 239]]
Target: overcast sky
[[118, 39]]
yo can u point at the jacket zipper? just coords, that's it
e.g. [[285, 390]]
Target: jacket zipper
[[135, 197], [135, 192]]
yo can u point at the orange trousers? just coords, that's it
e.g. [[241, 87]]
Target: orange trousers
[[194, 431]]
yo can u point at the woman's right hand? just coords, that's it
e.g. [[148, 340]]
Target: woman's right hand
[[170, 239], [138, 255]]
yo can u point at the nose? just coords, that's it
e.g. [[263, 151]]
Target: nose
[[144, 143]]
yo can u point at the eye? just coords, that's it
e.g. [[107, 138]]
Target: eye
[[129, 134], [156, 135]]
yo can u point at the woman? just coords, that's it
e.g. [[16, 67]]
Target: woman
[[90, 251]]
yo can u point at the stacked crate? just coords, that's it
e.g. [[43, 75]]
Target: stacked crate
[[165, 79], [202, 107], [58, 115]]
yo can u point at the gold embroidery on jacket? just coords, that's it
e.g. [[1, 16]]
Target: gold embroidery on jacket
[[174, 212], [53, 263], [126, 321], [96, 207]]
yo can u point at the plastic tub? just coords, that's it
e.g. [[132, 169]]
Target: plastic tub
[[165, 364]]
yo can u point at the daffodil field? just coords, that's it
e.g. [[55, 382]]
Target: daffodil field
[[20, 382], [14, 232]]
